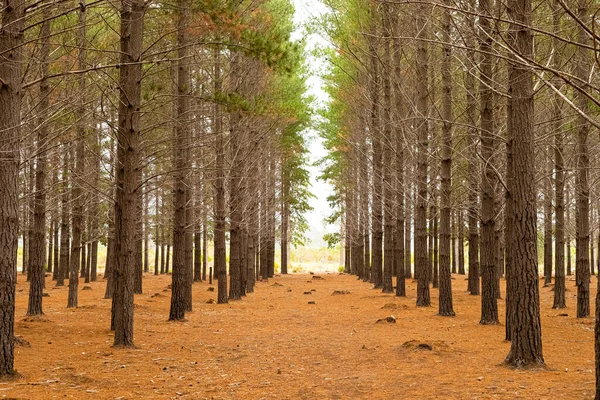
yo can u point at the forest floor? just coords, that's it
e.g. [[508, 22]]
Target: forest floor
[[275, 345]]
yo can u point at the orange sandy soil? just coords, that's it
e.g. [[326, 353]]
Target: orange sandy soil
[[274, 345]]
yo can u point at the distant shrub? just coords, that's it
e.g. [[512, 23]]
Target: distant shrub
[[341, 268]]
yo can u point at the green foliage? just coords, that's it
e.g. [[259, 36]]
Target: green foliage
[[332, 239]]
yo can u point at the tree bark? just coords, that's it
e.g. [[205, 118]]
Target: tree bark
[[422, 129], [445, 277], [582, 187], [489, 304], [11, 38], [526, 335], [128, 137], [220, 267], [182, 86], [37, 244]]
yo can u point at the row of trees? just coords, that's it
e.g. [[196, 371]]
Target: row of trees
[[147, 124], [433, 135]]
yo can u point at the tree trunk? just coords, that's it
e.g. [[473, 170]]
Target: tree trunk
[[37, 244], [220, 267], [548, 218], [377, 184], [582, 187], [559, 166], [65, 220], [181, 90], [128, 137], [11, 38], [422, 129], [387, 167], [445, 277], [472, 168], [236, 197], [489, 304], [461, 243], [79, 177], [526, 335]]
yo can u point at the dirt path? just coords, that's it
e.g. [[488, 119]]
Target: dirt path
[[274, 345]]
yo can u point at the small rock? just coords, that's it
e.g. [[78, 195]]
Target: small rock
[[278, 371], [317, 277], [210, 289], [288, 290], [311, 302], [210, 301], [307, 292], [45, 294], [340, 292], [480, 378], [424, 346], [156, 295], [563, 315], [86, 288], [390, 320]]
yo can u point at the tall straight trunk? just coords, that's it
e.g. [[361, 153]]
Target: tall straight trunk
[[94, 208], [377, 184], [445, 302], [461, 243], [11, 38], [472, 168], [168, 256], [285, 221], [26, 221], [548, 218], [263, 226], [63, 266], [568, 225], [387, 154], [204, 245], [37, 244], [422, 129], [582, 186], [271, 217], [526, 335], [559, 167], [181, 90], [79, 177], [109, 267], [51, 245], [146, 232], [453, 248], [236, 197], [220, 267], [435, 239], [197, 255], [489, 304], [509, 214], [157, 238], [128, 137], [408, 233], [56, 241], [253, 211], [364, 210], [189, 237], [399, 139]]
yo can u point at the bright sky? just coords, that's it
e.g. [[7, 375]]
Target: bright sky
[[305, 10]]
